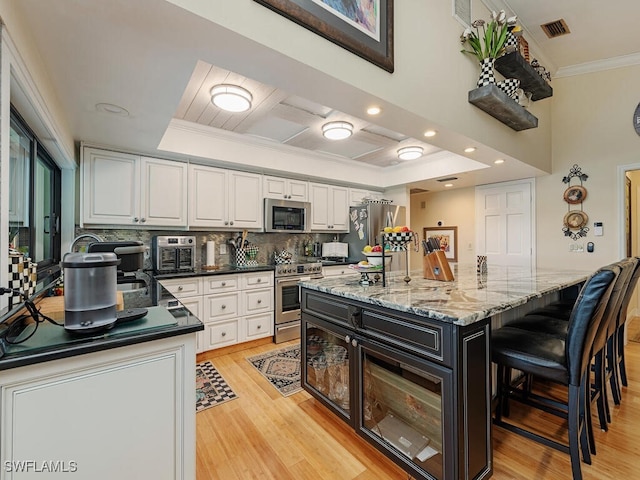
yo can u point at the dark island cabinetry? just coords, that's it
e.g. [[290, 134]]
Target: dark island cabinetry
[[416, 388]]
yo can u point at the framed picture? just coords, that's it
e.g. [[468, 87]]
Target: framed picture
[[448, 238], [364, 27]]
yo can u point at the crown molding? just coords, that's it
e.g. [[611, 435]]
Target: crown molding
[[599, 65]]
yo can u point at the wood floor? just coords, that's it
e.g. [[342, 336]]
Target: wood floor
[[262, 435]]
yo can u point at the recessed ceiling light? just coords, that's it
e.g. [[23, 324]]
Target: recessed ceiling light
[[470, 149], [374, 110], [231, 98], [337, 130], [498, 161], [448, 185], [113, 109], [430, 133], [409, 153]]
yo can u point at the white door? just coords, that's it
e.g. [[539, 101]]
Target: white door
[[504, 222]]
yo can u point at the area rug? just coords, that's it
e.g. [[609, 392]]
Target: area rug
[[281, 367], [211, 388]]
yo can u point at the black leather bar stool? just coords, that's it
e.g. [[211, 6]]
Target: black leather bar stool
[[565, 361]]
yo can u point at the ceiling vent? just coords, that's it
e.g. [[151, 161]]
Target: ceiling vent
[[448, 179], [556, 28], [417, 190]]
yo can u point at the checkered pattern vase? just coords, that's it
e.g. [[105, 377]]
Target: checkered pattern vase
[[510, 87], [241, 257], [511, 43], [486, 72]]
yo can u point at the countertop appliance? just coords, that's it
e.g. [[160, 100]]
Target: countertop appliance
[[286, 216], [173, 253], [287, 297], [89, 291], [366, 223], [130, 253]]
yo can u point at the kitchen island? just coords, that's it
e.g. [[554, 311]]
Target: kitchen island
[[408, 365], [113, 404]]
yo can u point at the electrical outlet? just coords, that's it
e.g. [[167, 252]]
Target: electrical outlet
[[223, 249]]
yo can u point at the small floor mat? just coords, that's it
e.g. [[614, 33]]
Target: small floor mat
[[211, 388], [281, 367]]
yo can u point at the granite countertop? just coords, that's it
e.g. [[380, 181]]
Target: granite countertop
[[469, 298], [51, 342]]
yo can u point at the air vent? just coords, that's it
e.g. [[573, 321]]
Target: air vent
[[448, 179], [556, 29], [417, 190]]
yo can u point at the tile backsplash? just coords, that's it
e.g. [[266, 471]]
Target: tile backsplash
[[267, 243]]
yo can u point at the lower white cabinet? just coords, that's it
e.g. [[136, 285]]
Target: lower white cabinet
[[124, 413], [234, 308], [339, 271]]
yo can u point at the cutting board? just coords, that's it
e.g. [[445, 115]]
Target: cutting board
[[53, 307]]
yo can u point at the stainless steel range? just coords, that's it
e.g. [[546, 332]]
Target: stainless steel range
[[287, 292]]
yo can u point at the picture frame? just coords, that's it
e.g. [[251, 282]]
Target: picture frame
[[445, 235], [367, 33], [575, 195]]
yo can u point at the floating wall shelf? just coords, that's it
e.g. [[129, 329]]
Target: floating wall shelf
[[513, 65], [499, 105]]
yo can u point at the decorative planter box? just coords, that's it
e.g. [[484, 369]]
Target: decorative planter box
[[499, 105]]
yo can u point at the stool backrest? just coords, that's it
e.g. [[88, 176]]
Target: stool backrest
[[631, 286], [585, 319]]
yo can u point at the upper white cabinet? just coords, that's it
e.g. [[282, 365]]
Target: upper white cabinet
[[357, 196], [329, 207], [285, 189], [220, 198], [129, 190]]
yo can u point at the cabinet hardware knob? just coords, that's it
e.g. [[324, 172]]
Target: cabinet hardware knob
[[259, 280], [259, 327], [226, 223], [347, 338], [231, 222], [224, 284], [354, 342], [259, 302], [136, 219], [224, 334], [143, 220], [223, 307], [180, 287]]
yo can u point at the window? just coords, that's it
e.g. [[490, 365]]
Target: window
[[34, 198]]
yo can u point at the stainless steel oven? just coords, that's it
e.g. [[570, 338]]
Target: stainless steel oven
[[173, 253], [287, 301]]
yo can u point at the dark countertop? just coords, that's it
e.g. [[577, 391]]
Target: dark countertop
[[220, 271], [51, 342]]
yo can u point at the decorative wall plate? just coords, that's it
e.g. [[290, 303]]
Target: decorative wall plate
[[575, 194], [575, 219]]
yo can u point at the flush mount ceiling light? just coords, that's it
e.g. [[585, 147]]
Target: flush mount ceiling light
[[409, 153], [448, 185], [374, 110], [498, 161], [470, 149], [430, 133], [231, 98], [337, 130]]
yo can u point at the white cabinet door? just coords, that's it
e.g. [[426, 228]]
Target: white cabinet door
[[319, 195], [339, 209], [329, 208], [358, 196], [245, 200], [163, 193], [298, 190], [285, 189], [207, 196], [110, 187], [339, 271]]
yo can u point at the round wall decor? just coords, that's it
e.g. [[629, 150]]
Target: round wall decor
[[574, 195], [636, 119], [575, 219]]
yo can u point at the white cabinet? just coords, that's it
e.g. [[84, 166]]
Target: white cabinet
[[285, 189], [136, 402], [234, 308], [339, 271], [329, 208], [129, 190], [358, 196], [228, 199]]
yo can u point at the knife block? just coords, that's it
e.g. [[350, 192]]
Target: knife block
[[435, 266]]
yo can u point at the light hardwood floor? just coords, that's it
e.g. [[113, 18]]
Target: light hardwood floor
[[262, 435]]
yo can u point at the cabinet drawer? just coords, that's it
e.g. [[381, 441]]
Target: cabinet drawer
[[183, 287], [221, 334], [256, 280], [256, 301], [220, 283], [429, 339], [221, 306], [259, 326]]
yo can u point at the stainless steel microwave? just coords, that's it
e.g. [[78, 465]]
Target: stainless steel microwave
[[286, 216]]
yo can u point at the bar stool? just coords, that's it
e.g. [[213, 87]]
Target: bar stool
[[565, 361]]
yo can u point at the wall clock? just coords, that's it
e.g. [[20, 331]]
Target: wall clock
[[636, 119]]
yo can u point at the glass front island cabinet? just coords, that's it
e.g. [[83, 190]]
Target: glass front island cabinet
[[416, 388]]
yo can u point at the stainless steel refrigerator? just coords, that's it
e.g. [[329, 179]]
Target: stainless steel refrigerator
[[366, 223]]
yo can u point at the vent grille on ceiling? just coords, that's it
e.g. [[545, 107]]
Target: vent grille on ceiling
[[447, 179], [417, 190], [556, 28]]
